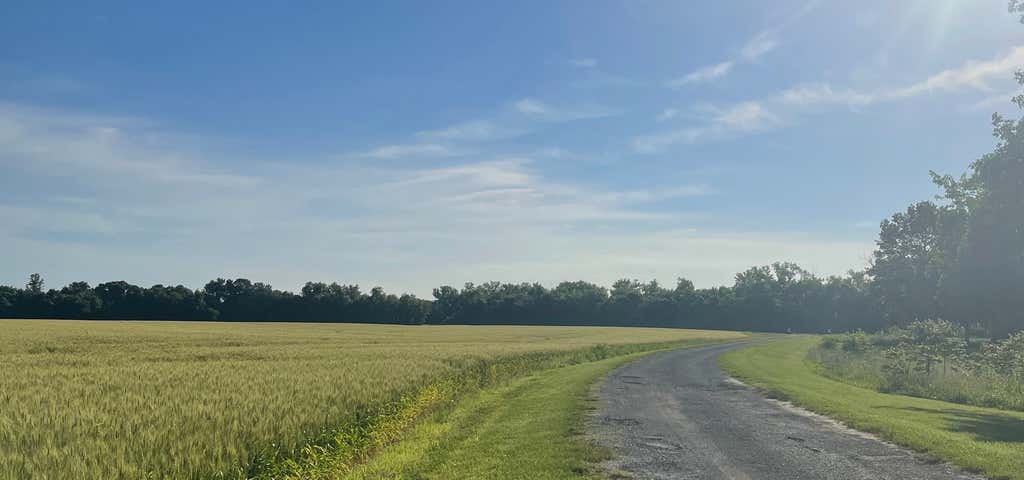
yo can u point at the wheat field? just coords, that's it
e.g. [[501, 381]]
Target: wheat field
[[89, 399]]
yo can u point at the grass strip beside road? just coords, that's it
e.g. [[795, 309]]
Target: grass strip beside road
[[983, 440], [336, 452], [529, 428]]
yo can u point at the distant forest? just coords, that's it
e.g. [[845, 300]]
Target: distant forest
[[959, 258], [779, 297]]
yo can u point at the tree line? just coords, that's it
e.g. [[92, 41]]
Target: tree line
[[778, 297], [231, 300]]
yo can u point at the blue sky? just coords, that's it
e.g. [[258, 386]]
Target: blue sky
[[414, 144]]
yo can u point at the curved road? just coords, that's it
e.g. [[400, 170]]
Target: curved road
[[675, 415]]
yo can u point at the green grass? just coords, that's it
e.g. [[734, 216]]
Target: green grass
[[984, 440], [529, 428], [82, 400]]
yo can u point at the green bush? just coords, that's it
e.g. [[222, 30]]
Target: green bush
[[932, 359], [856, 342]]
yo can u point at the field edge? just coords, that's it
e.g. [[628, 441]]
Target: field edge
[[344, 450], [532, 427]]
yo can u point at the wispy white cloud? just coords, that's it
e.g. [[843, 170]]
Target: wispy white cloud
[[530, 106], [528, 113], [69, 144], [389, 152], [719, 123], [759, 45], [662, 194], [668, 114], [773, 111], [817, 94], [583, 62], [788, 16], [755, 47], [705, 74], [554, 153], [489, 174], [539, 110], [972, 75], [521, 117], [746, 116], [475, 131]]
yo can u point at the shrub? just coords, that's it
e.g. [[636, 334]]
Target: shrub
[[1006, 358], [930, 358], [856, 342]]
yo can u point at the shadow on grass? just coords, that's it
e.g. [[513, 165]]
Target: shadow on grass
[[986, 427]]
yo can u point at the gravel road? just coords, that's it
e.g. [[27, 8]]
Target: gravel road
[[675, 415]]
